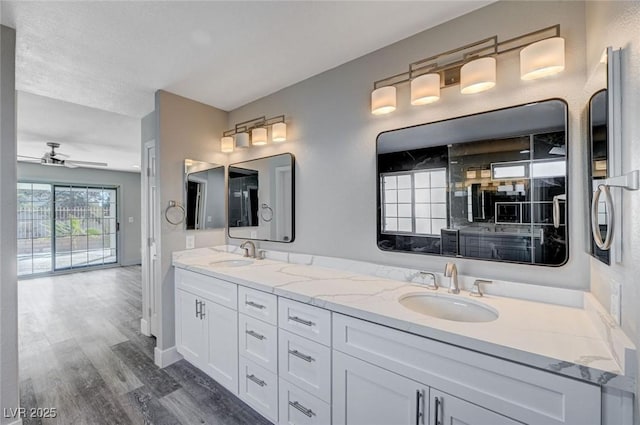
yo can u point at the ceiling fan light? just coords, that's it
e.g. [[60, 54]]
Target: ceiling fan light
[[425, 89], [383, 100], [478, 75], [542, 58]]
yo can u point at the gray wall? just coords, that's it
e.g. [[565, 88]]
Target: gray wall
[[9, 395], [185, 129], [616, 24], [333, 135], [129, 192]]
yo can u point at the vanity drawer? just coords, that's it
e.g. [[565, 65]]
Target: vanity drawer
[[258, 304], [297, 407], [214, 289], [305, 320], [305, 363], [258, 342], [259, 389]]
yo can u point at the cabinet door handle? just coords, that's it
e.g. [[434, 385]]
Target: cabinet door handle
[[302, 321], [255, 305], [419, 407], [301, 408], [255, 335], [197, 308], [202, 312], [253, 378], [438, 411], [299, 355]]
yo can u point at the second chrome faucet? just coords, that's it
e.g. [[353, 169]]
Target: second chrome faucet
[[451, 271]]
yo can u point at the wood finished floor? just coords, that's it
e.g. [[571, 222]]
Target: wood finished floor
[[82, 353]]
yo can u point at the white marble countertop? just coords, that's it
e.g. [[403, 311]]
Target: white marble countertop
[[558, 338]]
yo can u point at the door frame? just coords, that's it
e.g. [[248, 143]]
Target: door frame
[[149, 322]]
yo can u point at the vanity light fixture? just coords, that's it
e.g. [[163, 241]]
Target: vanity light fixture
[[259, 136], [242, 140], [258, 129], [383, 100], [425, 89], [542, 58], [473, 67], [478, 75], [226, 144], [279, 132]]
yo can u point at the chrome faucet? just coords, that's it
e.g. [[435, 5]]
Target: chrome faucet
[[249, 249], [451, 271]]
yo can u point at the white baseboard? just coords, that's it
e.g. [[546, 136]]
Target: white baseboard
[[164, 358], [145, 329]]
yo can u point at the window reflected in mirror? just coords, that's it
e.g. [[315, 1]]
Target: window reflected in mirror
[[490, 186]]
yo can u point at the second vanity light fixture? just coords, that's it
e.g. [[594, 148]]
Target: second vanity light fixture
[[258, 129], [473, 67]]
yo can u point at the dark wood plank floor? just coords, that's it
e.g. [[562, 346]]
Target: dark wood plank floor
[[81, 352]]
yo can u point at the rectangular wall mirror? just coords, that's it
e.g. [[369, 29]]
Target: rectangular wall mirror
[[490, 186], [599, 164], [261, 199], [204, 195]]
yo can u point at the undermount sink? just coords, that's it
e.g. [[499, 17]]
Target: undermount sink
[[447, 307], [231, 263]]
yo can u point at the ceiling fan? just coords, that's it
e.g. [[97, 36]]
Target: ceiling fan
[[57, 159]]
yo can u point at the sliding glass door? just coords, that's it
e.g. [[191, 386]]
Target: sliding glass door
[[34, 228], [65, 227]]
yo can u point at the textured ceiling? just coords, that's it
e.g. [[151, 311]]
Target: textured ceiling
[[112, 56]]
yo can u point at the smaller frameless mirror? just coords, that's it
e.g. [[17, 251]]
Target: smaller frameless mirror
[[204, 195], [599, 164], [261, 199]]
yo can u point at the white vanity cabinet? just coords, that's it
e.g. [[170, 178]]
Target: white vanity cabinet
[[190, 327], [364, 394], [499, 391], [299, 364], [207, 325]]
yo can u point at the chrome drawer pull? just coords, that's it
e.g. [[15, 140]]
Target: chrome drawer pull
[[256, 335], [301, 408], [255, 305], [299, 355], [299, 320], [253, 378]]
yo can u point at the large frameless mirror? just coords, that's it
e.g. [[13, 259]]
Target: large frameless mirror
[[490, 186], [261, 199], [599, 165], [204, 195]]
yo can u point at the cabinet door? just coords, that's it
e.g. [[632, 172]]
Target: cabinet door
[[364, 394], [222, 344], [449, 410], [190, 328]]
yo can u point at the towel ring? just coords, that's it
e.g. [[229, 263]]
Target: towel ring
[[172, 209], [605, 244], [268, 211]]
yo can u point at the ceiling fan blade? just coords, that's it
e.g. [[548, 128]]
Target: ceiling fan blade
[[69, 164], [29, 157], [61, 155], [86, 163]]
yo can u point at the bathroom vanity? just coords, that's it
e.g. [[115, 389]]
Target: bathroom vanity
[[337, 343]]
